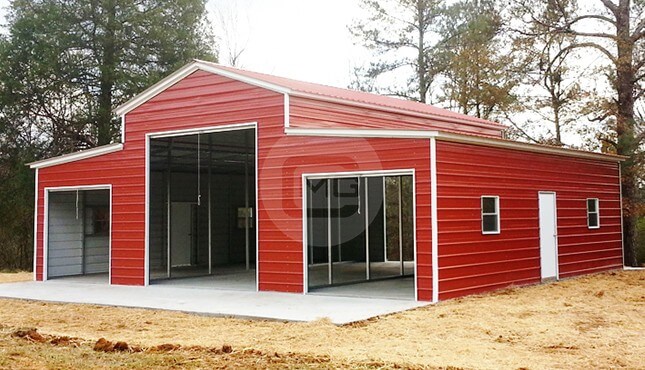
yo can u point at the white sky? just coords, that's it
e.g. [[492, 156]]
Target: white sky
[[302, 39]]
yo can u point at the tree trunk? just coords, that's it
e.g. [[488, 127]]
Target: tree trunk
[[421, 58], [626, 141], [107, 78]]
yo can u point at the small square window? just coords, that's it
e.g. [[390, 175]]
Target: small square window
[[490, 215], [593, 213]]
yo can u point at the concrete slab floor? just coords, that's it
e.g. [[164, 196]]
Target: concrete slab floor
[[243, 304], [396, 288]]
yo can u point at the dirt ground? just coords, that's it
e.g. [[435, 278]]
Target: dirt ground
[[596, 321]]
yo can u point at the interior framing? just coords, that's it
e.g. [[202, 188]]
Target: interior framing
[[195, 131], [339, 175]]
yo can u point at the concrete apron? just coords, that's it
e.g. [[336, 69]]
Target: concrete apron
[[230, 303]]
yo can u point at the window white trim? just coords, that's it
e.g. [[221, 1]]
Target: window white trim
[[597, 212], [496, 213]]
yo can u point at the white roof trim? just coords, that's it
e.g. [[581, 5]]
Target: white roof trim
[[408, 112], [73, 157], [340, 132], [213, 68], [452, 137], [184, 71]]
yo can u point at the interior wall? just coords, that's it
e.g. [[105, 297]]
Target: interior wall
[[227, 192], [97, 247], [66, 235], [346, 229]]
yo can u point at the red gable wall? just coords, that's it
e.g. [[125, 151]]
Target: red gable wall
[[204, 100]]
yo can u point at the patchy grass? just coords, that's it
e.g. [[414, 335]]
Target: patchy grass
[[36, 351], [15, 276], [589, 322]]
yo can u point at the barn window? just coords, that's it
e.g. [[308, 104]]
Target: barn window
[[593, 213], [490, 214]]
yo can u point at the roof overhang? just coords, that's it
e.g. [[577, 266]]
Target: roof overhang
[[452, 137], [73, 157], [185, 71], [198, 65]]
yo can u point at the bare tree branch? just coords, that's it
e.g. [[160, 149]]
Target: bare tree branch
[[611, 6], [588, 45]]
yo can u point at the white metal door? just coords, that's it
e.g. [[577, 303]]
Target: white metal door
[[548, 236], [181, 225]]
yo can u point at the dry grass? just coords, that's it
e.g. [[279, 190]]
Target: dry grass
[[13, 277], [589, 322], [47, 352]]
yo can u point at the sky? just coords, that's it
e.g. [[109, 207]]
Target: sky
[[301, 39], [305, 40]]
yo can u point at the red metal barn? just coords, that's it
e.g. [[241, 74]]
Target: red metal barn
[[235, 179]]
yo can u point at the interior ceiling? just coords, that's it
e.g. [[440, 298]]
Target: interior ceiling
[[227, 152]]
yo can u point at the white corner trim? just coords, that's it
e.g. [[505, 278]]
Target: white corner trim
[[72, 157], [146, 222], [622, 230], [435, 222], [305, 237], [286, 111], [123, 129], [36, 226], [451, 137]]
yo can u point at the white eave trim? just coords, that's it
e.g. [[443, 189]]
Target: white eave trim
[[72, 157], [341, 132], [451, 137], [186, 70], [213, 68], [466, 120]]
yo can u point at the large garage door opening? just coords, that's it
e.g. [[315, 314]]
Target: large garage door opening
[[360, 236], [78, 235], [202, 209]]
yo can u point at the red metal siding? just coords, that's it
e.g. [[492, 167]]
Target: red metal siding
[[308, 113], [200, 100], [283, 160], [470, 262], [203, 100]]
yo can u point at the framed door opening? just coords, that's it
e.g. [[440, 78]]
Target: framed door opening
[[78, 234], [202, 208], [360, 235], [548, 236]]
